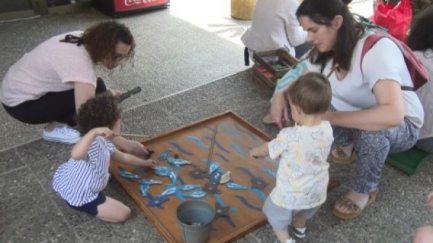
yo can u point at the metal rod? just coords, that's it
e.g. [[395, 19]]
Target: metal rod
[[132, 135], [211, 148]]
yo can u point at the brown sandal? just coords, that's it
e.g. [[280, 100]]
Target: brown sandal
[[332, 183], [355, 210], [342, 157]]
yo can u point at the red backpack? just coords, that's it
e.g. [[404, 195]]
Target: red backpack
[[417, 71]]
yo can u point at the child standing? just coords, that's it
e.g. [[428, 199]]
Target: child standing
[[80, 180], [302, 150]]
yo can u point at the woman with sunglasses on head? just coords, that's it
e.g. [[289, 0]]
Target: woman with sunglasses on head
[[372, 112], [49, 84]]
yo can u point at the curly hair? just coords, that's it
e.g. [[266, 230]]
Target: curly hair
[[100, 40], [99, 111], [421, 34]]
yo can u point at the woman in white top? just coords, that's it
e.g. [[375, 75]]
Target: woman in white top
[[48, 84], [275, 26], [370, 114], [420, 40]]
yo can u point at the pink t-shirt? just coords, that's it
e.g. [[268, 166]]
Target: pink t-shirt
[[52, 66]]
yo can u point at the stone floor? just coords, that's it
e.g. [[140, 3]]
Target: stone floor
[[190, 66]]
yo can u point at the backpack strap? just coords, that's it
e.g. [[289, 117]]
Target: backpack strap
[[370, 41]]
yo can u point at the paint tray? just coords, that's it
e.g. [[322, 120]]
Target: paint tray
[[278, 62]]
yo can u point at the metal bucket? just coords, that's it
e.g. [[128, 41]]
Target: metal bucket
[[195, 220]]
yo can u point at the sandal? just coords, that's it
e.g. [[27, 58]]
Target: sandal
[[332, 183], [338, 156], [353, 207]]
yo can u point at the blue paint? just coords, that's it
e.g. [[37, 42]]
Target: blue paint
[[218, 145], [259, 193], [270, 172], [209, 128], [140, 170], [235, 186], [238, 149], [228, 130], [221, 202], [200, 143], [247, 171], [222, 157], [252, 136], [245, 202], [178, 147]]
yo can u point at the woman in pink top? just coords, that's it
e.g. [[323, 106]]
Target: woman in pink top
[[49, 84]]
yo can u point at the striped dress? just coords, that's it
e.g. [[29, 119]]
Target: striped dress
[[79, 181]]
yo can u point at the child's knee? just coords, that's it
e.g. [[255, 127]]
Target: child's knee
[[126, 212]]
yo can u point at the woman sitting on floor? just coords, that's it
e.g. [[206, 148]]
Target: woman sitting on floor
[[370, 114]]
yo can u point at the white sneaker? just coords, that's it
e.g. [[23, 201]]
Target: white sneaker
[[62, 134]]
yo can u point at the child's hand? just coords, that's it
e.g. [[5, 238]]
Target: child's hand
[[150, 163], [254, 153], [103, 131], [430, 201]]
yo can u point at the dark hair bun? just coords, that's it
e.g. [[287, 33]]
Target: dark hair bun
[[346, 1]]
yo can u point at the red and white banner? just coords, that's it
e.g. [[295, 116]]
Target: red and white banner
[[127, 5]]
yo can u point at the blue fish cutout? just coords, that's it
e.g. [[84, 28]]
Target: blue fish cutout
[[235, 186], [144, 189], [173, 177], [212, 167], [189, 187], [259, 193], [150, 182], [162, 170], [168, 192], [195, 194], [178, 162], [127, 175]]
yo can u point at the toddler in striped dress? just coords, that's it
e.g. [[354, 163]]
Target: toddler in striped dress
[[81, 180]]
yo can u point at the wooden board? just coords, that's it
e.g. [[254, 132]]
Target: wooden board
[[232, 130]]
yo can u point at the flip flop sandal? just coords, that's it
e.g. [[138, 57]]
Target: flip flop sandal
[[342, 157], [355, 210]]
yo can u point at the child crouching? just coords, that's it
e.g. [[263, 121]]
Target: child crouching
[[302, 150], [82, 178]]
